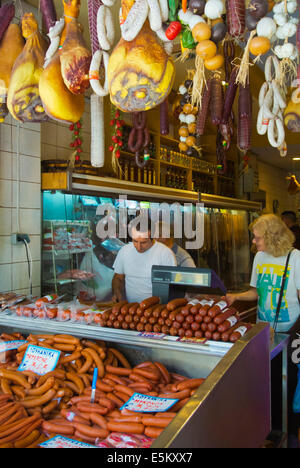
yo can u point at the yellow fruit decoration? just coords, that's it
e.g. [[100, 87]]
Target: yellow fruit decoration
[[214, 63], [192, 127], [259, 45], [206, 49], [201, 32], [190, 141], [182, 146], [187, 108], [183, 132]]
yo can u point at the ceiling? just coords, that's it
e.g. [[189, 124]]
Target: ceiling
[[260, 144]]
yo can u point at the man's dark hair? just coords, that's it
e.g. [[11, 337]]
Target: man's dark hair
[[291, 215], [144, 224]]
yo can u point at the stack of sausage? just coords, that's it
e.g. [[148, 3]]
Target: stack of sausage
[[59, 402], [198, 318]]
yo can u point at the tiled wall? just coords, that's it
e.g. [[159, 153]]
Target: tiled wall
[[20, 203], [56, 138]]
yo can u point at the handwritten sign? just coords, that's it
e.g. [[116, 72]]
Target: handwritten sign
[[8, 345], [39, 360], [64, 442], [152, 335], [185, 339], [148, 404]]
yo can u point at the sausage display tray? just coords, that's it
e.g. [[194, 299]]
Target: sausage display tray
[[230, 409]]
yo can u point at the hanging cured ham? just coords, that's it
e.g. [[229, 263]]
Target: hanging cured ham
[[10, 48], [23, 98], [140, 72], [65, 77]]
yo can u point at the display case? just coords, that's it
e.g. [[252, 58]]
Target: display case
[[226, 247], [230, 409], [64, 242]]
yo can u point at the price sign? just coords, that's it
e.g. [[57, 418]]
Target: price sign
[[185, 339], [152, 335], [64, 442], [148, 404], [8, 345], [39, 360]]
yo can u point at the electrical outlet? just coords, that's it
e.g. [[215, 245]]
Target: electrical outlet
[[19, 238]]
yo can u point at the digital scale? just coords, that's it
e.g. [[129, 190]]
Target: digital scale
[[174, 282]]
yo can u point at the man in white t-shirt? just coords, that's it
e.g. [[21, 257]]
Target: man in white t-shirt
[[132, 267]]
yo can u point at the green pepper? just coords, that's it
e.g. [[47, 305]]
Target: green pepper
[[173, 8], [187, 39]]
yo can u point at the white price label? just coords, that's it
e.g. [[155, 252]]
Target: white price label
[[39, 360], [148, 404]]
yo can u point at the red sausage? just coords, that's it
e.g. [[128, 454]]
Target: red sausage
[[149, 302], [225, 336], [216, 309], [239, 332], [224, 315], [175, 303], [232, 320]]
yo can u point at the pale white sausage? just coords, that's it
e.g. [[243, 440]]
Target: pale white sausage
[[135, 20], [97, 131], [94, 73], [105, 28]]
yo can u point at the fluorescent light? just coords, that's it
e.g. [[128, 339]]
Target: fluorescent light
[[296, 159]]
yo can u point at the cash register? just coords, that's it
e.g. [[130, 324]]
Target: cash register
[[174, 282]]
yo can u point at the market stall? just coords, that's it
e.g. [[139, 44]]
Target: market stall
[[219, 368], [178, 93]]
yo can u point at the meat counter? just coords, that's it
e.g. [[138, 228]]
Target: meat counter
[[230, 409]]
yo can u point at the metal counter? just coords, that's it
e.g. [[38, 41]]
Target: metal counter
[[230, 409]]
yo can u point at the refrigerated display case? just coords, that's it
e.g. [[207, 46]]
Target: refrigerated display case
[[226, 248], [230, 409]]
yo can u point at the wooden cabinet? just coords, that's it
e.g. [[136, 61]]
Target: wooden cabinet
[[168, 167]]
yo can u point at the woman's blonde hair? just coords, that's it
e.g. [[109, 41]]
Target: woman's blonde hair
[[278, 238]]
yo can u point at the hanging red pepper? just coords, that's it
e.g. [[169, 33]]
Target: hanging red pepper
[[173, 30]]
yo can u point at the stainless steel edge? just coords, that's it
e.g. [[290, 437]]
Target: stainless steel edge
[[218, 201], [224, 412], [31, 325]]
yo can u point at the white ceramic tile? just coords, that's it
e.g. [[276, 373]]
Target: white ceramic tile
[[19, 251], [20, 278], [30, 221], [29, 141], [36, 291], [5, 249], [48, 151], [5, 193], [5, 221], [5, 137], [29, 194], [29, 169], [5, 278], [49, 133], [86, 142], [35, 126], [6, 162]]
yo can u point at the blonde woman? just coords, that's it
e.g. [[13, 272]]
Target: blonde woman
[[273, 241]]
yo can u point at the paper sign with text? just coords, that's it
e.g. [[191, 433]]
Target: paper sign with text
[[148, 404], [39, 360], [8, 345], [185, 339], [64, 442], [152, 335]]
